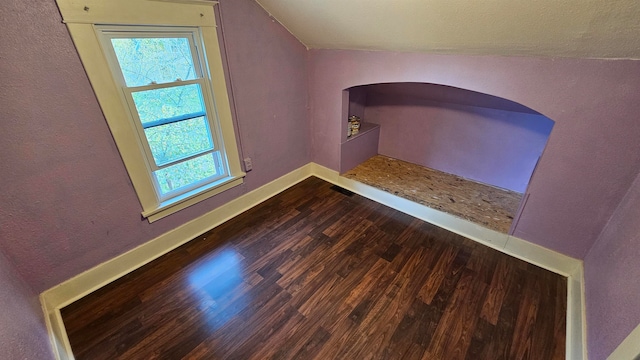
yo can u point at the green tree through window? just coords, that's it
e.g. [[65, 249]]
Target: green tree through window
[[163, 79]]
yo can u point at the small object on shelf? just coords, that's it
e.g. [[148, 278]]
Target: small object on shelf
[[354, 125], [349, 127]]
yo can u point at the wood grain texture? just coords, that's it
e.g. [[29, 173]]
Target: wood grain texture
[[316, 273]]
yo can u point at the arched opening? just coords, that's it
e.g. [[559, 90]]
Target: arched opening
[[460, 151]]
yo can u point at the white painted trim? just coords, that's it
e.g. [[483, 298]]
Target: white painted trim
[[83, 18], [511, 245], [173, 206], [69, 291], [542, 257], [167, 13], [576, 316], [468, 229], [75, 288], [629, 348], [57, 332]]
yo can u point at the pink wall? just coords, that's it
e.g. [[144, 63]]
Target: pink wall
[[67, 202], [611, 278], [23, 333], [590, 160], [492, 146]]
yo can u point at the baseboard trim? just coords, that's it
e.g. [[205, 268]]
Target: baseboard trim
[[511, 245], [75, 288], [629, 348]]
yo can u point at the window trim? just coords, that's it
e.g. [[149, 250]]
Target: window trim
[[83, 18], [107, 32]]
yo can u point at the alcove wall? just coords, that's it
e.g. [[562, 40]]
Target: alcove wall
[[354, 150], [477, 136], [473, 135]]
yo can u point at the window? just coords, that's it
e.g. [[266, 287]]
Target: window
[[163, 93], [162, 81]]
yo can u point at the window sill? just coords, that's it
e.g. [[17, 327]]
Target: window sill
[[193, 197]]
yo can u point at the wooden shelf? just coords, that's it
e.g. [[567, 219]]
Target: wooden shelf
[[364, 128]]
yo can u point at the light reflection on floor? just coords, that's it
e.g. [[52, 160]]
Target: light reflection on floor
[[217, 281]]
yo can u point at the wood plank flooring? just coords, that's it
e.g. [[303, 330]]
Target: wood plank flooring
[[319, 273]]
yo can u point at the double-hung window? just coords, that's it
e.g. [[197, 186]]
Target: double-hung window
[[156, 68], [161, 78]]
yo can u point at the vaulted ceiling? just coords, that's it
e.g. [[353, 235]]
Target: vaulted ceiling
[[563, 28]]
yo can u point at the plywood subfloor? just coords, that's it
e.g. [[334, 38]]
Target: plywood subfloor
[[482, 204]]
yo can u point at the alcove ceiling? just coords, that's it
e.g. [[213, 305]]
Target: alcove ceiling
[[555, 28]]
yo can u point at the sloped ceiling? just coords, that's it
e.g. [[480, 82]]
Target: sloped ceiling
[[564, 28]]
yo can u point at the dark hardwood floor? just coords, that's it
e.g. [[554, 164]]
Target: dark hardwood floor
[[316, 273]]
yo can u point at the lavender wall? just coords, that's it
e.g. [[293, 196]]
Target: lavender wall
[[268, 71], [611, 278], [359, 148], [591, 157], [446, 94], [357, 101], [23, 333], [489, 145], [67, 202], [68, 205]]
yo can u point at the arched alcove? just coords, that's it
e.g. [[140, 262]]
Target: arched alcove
[[475, 136]]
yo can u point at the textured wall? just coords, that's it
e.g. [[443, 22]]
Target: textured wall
[[446, 94], [268, 69], [611, 278], [23, 333], [67, 203], [591, 157], [359, 149], [492, 146], [357, 103]]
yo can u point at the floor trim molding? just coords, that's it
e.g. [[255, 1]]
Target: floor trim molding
[[59, 296], [75, 288], [511, 245], [629, 348]]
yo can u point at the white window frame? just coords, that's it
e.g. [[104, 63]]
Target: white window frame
[[86, 20], [108, 32]]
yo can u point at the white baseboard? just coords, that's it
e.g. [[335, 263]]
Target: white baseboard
[[466, 228], [629, 348], [511, 245], [75, 288]]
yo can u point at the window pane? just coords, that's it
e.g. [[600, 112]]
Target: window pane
[[168, 102], [188, 172], [160, 60], [178, 140]]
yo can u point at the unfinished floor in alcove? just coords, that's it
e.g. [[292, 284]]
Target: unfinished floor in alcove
[[482, 204]]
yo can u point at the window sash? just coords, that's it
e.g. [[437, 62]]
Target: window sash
[[87, 36], [209, 113], [220, 170], [173, 120], [213, 134], [127, 32]]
